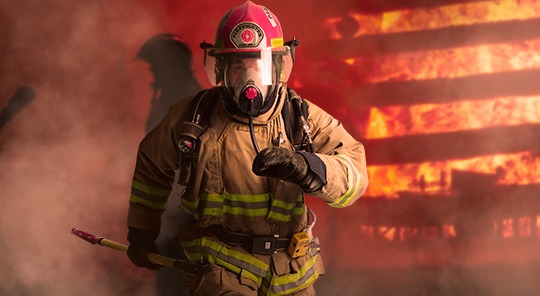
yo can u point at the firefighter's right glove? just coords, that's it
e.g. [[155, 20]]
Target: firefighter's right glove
[[142, 242], [303, 168]]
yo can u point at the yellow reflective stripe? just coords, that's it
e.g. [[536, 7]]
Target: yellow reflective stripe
[[237, 258], [300, 208], [150, 190], [218, 253], [353, 183], [284, 205], [245, 212], [192, 249], [292, 282], [151, 204], [212, 212], [251, 197], [212, 204], [247, 274], [251, 267], [249, 205], [243, 272], [213, 197], [148, 196], [281, 210], [298, 211], [188, 205], [279, 217]]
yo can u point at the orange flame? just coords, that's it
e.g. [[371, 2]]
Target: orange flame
[[519, 168], [431, 118], [435, 18], [392, 121], [459, 15], [450, 63]]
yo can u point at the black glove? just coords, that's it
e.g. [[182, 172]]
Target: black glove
[[142, 242], [303, 168]]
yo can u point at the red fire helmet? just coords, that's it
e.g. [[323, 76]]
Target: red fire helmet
[[249, 30], [249, 26]]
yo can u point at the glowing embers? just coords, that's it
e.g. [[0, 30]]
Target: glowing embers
[[522, 227], [407, 233], [395, 121], [510, 228], [519, 168]]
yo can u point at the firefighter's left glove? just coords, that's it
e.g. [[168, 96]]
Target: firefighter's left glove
[[303, 168], [142, 242]]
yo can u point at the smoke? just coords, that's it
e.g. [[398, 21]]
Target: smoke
[[66, 159]]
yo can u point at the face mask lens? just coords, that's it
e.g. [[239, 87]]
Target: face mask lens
[[284, 65], [248, 69], [236, 73], [250, 65]]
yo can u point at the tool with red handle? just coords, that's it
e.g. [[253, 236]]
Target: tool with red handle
[[187, 267]]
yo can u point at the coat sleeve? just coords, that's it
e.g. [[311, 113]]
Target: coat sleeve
[[157, 159], [344, 157]]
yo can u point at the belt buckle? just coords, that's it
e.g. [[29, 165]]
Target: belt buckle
[[264, 245]]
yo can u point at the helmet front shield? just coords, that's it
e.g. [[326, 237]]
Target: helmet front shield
[[265, 66]]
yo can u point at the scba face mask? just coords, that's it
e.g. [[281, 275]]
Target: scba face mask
[[250, 77], [250, 80]]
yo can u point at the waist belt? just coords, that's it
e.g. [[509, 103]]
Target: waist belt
[[264, 245]]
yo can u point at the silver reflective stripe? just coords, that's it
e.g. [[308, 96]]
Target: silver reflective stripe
[[250, 205], [196, 249], [292, 286], [234, 261], [148, 196]]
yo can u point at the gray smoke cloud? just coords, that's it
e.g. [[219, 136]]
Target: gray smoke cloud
[[66, 159]]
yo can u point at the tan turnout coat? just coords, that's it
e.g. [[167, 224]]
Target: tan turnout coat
[[224, 190]]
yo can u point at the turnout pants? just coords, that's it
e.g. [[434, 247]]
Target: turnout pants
[[219, 281]]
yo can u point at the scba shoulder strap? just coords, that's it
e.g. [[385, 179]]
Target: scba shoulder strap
[[295, 116], [198, 114]]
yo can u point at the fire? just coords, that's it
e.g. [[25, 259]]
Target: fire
[[459, 15], [519, 168], [537, 222], [435, 118], [406, 232], [446, 63], [507, 228], [450, 63], [463, 14]]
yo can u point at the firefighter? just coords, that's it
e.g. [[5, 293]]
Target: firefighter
[[171, 66], [246, 168]]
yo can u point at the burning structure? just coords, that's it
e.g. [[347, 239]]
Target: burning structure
[[445, 97]]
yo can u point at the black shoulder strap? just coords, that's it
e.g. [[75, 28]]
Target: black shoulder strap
[[295, 116], [195, 120]]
